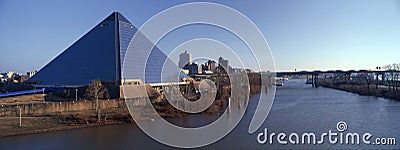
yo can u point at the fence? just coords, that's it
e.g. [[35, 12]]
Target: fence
[[21, 92]]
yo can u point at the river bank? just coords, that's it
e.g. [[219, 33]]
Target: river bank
[[317, 110], [66, 120], [55, 116], [10, 126], [363, 89]]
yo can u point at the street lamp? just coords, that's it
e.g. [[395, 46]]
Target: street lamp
[[43, 95], [76, 94], [377, 77], [20, 116]]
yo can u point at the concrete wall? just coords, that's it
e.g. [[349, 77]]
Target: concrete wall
[[56, 107], [22, 99], [135, 91]]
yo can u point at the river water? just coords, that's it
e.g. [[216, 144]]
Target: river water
[[298, 108]]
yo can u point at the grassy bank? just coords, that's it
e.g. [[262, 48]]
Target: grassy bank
[[10, 126], [363, 89]]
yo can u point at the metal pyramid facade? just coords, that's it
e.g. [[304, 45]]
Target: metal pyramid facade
[[99, 54]]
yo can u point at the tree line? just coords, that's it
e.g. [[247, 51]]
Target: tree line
[[392, 76]]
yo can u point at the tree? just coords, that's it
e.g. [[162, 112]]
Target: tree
[[96, 91], [369, 77], [377, 79], [389, 74], [393, 75], [396, 68]]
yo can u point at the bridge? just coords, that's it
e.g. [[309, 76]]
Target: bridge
[[167, 84], [347, 74]]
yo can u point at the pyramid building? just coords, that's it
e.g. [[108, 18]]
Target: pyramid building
[[100, 54]]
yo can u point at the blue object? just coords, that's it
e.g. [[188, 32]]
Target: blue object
[[21, 92]]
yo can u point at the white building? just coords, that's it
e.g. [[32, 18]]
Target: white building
[[31, 73]]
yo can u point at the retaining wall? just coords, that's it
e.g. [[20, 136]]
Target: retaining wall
[[57, 107]]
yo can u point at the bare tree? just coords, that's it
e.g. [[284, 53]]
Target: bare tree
[[396, 68], [393, 76], [96, 91], [389, 74], [377, 80], [369, 77]]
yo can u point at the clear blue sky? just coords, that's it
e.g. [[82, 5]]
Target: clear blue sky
[[303, 34]]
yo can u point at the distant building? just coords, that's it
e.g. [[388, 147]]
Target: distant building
[[186, 71], [22, 78], [2, 78], [239, 70], [193, 69], [199, 69], [204, 67], [185, 59], [10, 76], [208, 67], [208, 72], [31, 73], [211, 65], [223, 64]]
